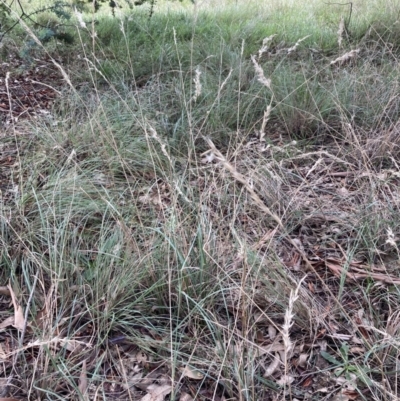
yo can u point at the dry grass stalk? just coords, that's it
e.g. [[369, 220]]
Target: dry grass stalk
[[288, 323], [79, 16], [352, 54], [296, 45], [242, 179], [197, 85], [265, 45], [245, 182], [267, 113], [294, 295], [260, 73], [340, 31], [153, 134], [163, 145], [392, 240], [223, 85], [320, 153]]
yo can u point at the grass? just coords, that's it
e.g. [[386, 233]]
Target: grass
[[192, 222]]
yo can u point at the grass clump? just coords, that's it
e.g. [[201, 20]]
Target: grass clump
[[209, 210]]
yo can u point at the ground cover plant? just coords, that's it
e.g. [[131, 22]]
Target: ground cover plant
[[202, 205]]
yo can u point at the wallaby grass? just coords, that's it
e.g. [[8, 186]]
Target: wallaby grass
[[165, 227]]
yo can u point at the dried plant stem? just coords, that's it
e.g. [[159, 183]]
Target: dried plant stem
[[288, 323], [242, 179]]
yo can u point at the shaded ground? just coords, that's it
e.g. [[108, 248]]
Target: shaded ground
[[27, 91]]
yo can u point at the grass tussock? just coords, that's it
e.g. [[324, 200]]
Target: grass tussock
[[209, 211]]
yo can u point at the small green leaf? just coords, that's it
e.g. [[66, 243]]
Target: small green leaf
[[330, 358], [344, 351]]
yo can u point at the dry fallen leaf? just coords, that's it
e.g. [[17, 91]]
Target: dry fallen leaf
[[145, 382], [271, 332], [187, 371], [71, 345], [133, 381], [269, 349], [4, 291], [19, 320], [357, 350], [343, 192], [284, 380], [302, 361], [350, 394], [273, 366], [340, 397], [185, 397], [157, 393], [3, 355], [7, 322], [307, 382]]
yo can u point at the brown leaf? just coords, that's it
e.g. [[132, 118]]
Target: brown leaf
[[19, 320], [3, 354], [340, 397], [132, 381], [276, 346], [7, 322], [272, 332], [285, 380], [351, 394], [273, 366], [157, 393], [185, 397], [144, 383], [191, 373], [307, 382], [302, 361], [71, 344], [357, 350], [4, 291]]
